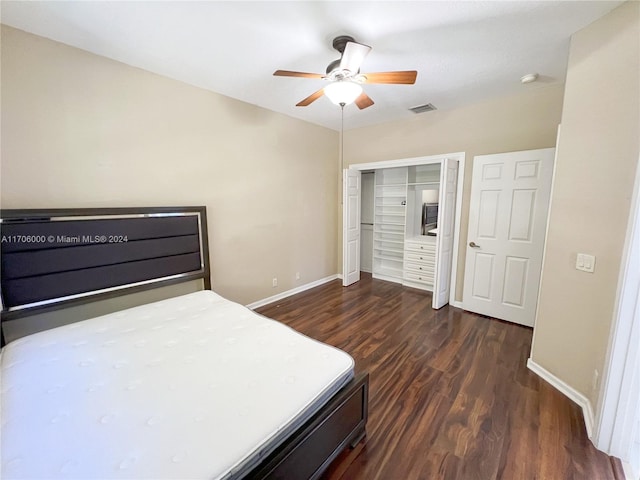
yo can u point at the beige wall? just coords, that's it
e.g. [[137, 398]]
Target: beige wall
[[522, 122], [79, 130], [597, 158]]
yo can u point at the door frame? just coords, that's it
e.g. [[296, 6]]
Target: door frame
[[412, 161], [617, 402]]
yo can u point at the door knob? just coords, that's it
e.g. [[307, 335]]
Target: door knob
[[473, 245]]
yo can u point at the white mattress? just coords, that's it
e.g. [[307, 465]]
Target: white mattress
[[190, 387]]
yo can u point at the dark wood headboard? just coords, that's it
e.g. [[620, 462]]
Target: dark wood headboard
[[57, 258]]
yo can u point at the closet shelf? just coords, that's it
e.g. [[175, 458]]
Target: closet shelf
[[423, 183], [392, 223], [389, 242], [388, 257]]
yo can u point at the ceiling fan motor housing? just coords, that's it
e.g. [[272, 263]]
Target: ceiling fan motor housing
[[333, 66], [339, 43]]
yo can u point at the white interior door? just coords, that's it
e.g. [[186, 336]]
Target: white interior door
[[507, 221], [446, 230], [351, 187]]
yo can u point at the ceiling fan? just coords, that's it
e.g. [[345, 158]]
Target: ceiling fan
[[345, 77]]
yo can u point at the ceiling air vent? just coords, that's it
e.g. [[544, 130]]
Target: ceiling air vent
[[427, 107]]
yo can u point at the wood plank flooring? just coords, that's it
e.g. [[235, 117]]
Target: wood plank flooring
[[450, 394]]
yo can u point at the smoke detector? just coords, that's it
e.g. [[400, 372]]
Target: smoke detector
[[529, 77]]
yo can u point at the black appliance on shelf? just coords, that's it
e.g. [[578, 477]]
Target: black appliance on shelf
[[429, 218]]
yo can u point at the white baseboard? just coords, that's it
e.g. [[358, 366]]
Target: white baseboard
[[582, 401], [456, 304], [293, 291]]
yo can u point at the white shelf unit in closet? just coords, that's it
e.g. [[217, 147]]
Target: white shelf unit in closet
[[389, 223], [420, 262]]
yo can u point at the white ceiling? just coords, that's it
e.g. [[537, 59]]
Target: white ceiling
[[464, 52]]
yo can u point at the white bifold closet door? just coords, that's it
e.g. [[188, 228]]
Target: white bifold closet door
[[351, 190], [446, 230]]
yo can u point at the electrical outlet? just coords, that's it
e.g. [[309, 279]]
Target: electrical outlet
[[274, 282], [297, 275], [594, 383]]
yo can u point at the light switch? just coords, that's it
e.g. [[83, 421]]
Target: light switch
[[585, 262]]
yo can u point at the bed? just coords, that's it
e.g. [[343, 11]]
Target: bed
[[193, 386]]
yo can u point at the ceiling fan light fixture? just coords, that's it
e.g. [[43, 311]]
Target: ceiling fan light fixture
[[343, 92]]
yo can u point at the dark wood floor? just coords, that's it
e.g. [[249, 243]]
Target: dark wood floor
[[450, 393]]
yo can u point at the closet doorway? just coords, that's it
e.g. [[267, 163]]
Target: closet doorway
[[394, 243]]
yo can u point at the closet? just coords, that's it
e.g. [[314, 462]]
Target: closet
[[413, 226]]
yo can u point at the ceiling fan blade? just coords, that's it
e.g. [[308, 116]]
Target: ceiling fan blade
[[288, 73], [363, 101], [311, 98], [407, 77], [353, 56]]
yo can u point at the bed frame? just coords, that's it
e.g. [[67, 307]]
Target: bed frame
[[57, 258]]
